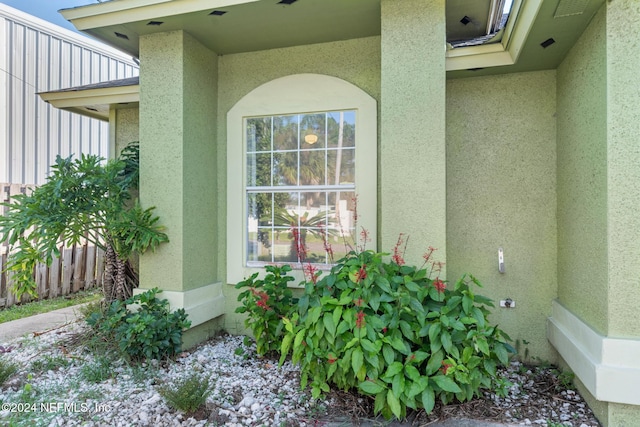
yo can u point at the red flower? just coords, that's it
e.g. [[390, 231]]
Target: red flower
[[263, 299], [360, 319], [310, 271], [439, 285], [384, 330], [445, 367], [362, 274], [397, 256], [358, 302], [331, 359], [427, 255]]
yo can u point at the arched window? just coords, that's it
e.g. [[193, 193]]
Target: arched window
[[301, 173]]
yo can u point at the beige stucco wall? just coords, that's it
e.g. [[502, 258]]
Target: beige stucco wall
[[582, 178], [356, 61], [501, 179]]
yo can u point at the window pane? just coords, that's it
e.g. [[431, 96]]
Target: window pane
[[341, 166], [259, 134], [259, 245], [312, 167], [260, 209], [343, 221], [341, 127], [284, 247], [285, 133], [312, 131], [285, 168], [258, 169]]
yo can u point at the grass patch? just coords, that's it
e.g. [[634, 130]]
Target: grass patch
[[16, 312], [187, 395]]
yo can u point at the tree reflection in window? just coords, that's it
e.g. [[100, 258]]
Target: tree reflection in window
[[300, 187]]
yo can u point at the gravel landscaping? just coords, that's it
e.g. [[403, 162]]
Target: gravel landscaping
[[60, 383]]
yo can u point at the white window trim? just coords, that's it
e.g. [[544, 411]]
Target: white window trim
[[299, 93]]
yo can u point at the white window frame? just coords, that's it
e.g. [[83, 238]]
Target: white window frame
[[299, 93]]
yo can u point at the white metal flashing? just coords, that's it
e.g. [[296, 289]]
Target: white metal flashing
[[608, 367]]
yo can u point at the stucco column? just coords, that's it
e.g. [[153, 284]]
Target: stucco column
[[412, 152], [623, 170], [178, 99]]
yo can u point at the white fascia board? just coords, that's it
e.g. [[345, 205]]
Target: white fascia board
[[498, 54], [608, 367], [124, 12], [115, 95], [31, 21]]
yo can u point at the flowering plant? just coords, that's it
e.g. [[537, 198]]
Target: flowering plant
[[395, 333], [267, 301]]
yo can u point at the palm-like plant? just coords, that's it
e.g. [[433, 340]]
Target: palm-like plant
[[82, 199]]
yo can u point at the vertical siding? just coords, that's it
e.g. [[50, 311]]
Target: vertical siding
[[36, 56]]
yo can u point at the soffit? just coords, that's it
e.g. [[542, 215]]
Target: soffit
[[253, 25]]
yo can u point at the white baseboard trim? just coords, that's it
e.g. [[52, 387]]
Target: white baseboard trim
[[201, 304], [608, 367]]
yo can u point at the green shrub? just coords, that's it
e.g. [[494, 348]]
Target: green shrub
[[187, 395], [392, 332], [152, 331], [267, 301], [7, 369]]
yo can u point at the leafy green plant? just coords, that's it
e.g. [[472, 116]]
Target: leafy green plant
[[394, 333], [7, 370], [188, 394], [82, 199], [266, 301], [152, 331]]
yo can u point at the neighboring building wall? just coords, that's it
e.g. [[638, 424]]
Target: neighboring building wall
[[37, 56], [582, 178], [356, 61], [501, 179]]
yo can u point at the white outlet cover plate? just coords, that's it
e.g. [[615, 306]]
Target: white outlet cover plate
[[503, 303]]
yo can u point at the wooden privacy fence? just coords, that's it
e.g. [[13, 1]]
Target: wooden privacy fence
[[79, 267]]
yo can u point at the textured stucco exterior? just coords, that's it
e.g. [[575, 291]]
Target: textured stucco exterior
[[623, 173], [127, 127], [178, 156], [501, 180], [412, 153], [582, 178]]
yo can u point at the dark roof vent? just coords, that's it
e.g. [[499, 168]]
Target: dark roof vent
[[465, 20], [120, 35], [155, 23], [287, 1], [218, 12], [548, 42]]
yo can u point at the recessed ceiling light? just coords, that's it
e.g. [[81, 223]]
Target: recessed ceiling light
[[155, 23], [218, 12], [120, 35], [287, 1], [548, 42], [465, 20]]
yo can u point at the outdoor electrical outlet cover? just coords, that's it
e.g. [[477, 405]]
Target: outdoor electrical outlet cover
[[507, 303]]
